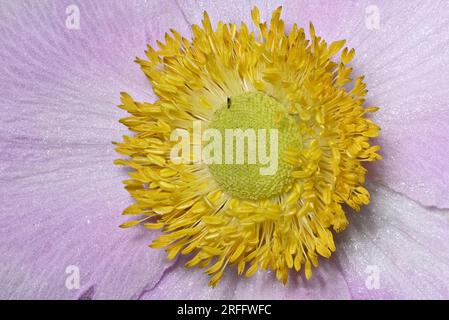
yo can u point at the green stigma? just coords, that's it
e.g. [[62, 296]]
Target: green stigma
[[266, 132]]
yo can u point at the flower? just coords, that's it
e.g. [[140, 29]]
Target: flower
[[233, 213], [60, 194]]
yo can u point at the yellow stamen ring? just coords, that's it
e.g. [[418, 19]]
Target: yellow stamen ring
[[222, 216]]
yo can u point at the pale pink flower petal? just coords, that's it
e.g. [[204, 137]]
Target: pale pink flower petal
[[61, 196]]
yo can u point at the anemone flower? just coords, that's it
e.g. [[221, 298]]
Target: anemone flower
[[66, 66]]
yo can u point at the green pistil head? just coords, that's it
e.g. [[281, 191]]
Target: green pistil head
[[263, 173]]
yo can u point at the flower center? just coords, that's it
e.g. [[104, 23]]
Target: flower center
[[256, 131]]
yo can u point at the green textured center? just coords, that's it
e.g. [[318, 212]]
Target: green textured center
[[250, 180]]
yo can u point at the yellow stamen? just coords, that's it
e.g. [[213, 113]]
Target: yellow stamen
[[217, 223]]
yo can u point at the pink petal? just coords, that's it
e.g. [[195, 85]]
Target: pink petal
[[61, 195], [226, 11], [403, 63], [408, 244]]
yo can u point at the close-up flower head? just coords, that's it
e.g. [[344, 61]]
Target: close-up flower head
[[244, 150]]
